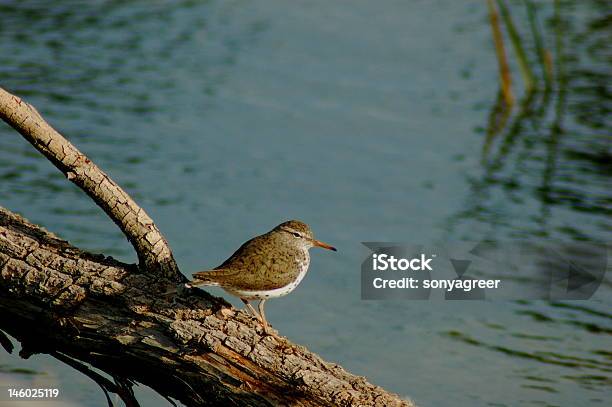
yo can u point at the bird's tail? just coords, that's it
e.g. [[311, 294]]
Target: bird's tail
[[201, 278], [204, 278]]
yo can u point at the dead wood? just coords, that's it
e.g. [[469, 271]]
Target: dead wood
[[84, 309]]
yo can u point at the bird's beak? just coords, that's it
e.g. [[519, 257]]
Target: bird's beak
[[323, 245]]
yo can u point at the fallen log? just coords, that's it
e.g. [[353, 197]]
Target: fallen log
[[88, 310]]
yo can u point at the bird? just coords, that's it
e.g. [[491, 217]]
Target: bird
[[267, 266]]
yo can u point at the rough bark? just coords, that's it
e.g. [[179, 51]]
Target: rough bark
[[195, 348], [152, 249], [87, 308]]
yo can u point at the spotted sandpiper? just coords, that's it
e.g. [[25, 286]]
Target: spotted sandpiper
[[267, 266]]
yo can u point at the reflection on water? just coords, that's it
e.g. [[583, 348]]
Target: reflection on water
[[370, 123], [588, 368], [546, 166]]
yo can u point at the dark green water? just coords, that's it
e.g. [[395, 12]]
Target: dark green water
[[367, 121]]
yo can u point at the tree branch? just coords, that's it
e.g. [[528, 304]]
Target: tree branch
[[153, 251]]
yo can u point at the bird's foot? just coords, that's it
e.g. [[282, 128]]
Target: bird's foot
[[269, 331], [256, 317]]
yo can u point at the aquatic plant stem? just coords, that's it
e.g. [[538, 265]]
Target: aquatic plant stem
[[543, 54], [504, 70], [515, 39]]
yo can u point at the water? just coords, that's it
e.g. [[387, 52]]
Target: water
[[369, 122]]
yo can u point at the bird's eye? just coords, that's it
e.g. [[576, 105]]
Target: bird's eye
[[296, 234]]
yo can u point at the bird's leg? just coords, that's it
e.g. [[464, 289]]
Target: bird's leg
[[250, 308], [267, 328]]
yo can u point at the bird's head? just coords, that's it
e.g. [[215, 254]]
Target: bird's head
[[301, 234]]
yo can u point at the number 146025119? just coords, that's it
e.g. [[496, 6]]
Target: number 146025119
[[29, 393]]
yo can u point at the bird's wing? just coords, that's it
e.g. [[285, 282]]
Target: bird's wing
[[246, 254], [209, 277], [237, 263]]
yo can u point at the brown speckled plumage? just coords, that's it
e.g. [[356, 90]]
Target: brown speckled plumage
[[265, 262], [267, 266]]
